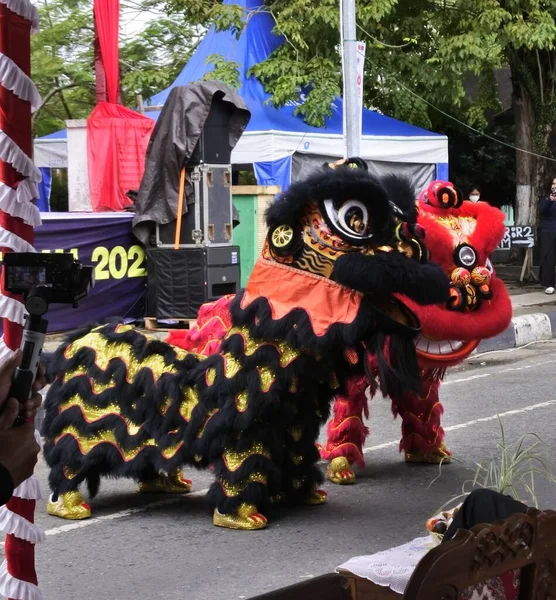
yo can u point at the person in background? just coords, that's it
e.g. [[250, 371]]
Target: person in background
[[548, 240], [18, 448], [475, 194]]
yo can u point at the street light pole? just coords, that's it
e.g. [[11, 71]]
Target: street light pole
[[352, 129]]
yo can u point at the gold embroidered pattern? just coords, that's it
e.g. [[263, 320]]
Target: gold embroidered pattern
[[210, 376], [267, 378], [106, 351], [234, 460], [204, 425], [171, 451], [461, 228], [241, 401], [188, 403], [87, 444], [234, 489], [95, 413], [231, 366]]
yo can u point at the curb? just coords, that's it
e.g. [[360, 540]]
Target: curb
[[523, 330]]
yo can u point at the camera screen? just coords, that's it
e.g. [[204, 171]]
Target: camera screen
[[26, 277]]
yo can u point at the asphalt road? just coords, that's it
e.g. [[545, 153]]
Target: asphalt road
[[141, 547]]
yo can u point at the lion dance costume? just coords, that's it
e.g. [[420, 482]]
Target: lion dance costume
[[319, 302], [460, 238]]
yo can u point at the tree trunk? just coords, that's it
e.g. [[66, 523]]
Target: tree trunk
[[526, 164]]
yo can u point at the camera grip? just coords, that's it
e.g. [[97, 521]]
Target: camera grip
[[22, 384], [31, 346]]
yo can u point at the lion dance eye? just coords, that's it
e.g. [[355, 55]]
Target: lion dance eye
[[351, 218]]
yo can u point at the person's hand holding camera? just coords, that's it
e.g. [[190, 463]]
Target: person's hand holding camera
[[18, 447]]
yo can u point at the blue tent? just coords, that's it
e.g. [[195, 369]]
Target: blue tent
[[281, 146], [277, 142]]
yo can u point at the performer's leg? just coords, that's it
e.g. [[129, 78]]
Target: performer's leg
[[347, 433], [246, 478], [483, 506], [164, 483], [300, 474], [66, 500], [422, 434]]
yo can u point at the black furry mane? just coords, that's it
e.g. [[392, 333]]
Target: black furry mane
[[401, 192], [342, 183]]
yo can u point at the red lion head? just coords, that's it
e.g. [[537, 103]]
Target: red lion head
[[460, 236]]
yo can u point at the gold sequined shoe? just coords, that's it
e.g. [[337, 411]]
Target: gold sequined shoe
[[174, 483], [439, 456], [316, 497], [69, 506], [339, 471], [246, 517]]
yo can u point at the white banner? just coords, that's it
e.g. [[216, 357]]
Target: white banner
[[361, 47]]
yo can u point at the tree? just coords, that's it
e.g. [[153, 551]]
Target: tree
[[63, 61], [419, 49]]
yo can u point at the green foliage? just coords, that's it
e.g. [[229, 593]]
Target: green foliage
[[151, 61], [63, 58], [479, 161], [513, 471], [427, 46], [224, 71]]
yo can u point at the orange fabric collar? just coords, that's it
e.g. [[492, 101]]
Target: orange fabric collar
[[285, 288]]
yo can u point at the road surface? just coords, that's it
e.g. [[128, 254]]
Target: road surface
[[140, 547]]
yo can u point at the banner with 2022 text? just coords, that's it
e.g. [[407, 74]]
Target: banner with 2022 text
[[106, 242]]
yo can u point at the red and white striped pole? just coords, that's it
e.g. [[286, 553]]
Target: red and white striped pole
[[19, 179]]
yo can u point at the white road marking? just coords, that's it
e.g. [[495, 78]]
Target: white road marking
[[495, 417], [507, 370], [179, 498], [122, 513]]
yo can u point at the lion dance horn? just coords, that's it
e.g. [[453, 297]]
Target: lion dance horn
[[441, 194], [350, 163], [19, 179]]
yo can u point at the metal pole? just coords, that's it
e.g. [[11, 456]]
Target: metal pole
[[352, 130]]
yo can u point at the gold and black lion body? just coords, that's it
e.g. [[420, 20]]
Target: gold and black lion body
[[319, 301]]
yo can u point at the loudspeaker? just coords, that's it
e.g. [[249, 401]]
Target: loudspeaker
[[213, 146], [180, 281]]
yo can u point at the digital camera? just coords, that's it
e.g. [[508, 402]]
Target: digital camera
[[60, 278]]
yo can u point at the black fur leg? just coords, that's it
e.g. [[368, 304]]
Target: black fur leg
[[246, 473]]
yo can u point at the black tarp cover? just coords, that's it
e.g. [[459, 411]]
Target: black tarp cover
[[172, 143]]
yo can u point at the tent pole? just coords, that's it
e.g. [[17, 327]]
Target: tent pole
[[351, 131]]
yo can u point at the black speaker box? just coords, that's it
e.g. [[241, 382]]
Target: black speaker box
[[213, 147], [180, 281]]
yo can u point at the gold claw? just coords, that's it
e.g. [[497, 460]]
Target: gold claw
[[174, 483], [69, 506], [439, 456], [339, 471], [246, 517], [316, 497]]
